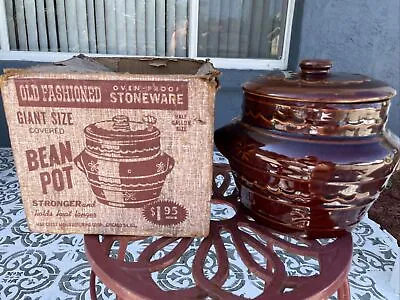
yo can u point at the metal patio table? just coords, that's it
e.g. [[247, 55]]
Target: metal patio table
[[260, 249]]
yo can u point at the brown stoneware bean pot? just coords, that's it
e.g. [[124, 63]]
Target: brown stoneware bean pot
[[123, 162], [311, 152]]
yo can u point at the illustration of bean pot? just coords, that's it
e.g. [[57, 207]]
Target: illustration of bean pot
[[123, 162]]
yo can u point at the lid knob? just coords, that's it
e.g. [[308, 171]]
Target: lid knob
[[149, 120], [318, 67], [121, 122]]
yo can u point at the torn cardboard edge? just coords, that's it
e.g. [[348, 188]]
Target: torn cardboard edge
[[83, 64]]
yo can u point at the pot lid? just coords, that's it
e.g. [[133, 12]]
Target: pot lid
[[121, 129], [315, 83]]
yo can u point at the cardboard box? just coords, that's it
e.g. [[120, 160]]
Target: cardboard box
[[114, 145]]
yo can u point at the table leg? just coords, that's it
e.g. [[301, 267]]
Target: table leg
[[92, 286], [269, 263], [344, 291]]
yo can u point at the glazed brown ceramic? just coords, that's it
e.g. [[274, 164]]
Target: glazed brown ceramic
[[123, 161], [311, 152]]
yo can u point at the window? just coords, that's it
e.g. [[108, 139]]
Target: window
[[244, 34]]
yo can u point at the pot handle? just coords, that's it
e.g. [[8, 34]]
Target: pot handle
[[79, 163], [170, 164]]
